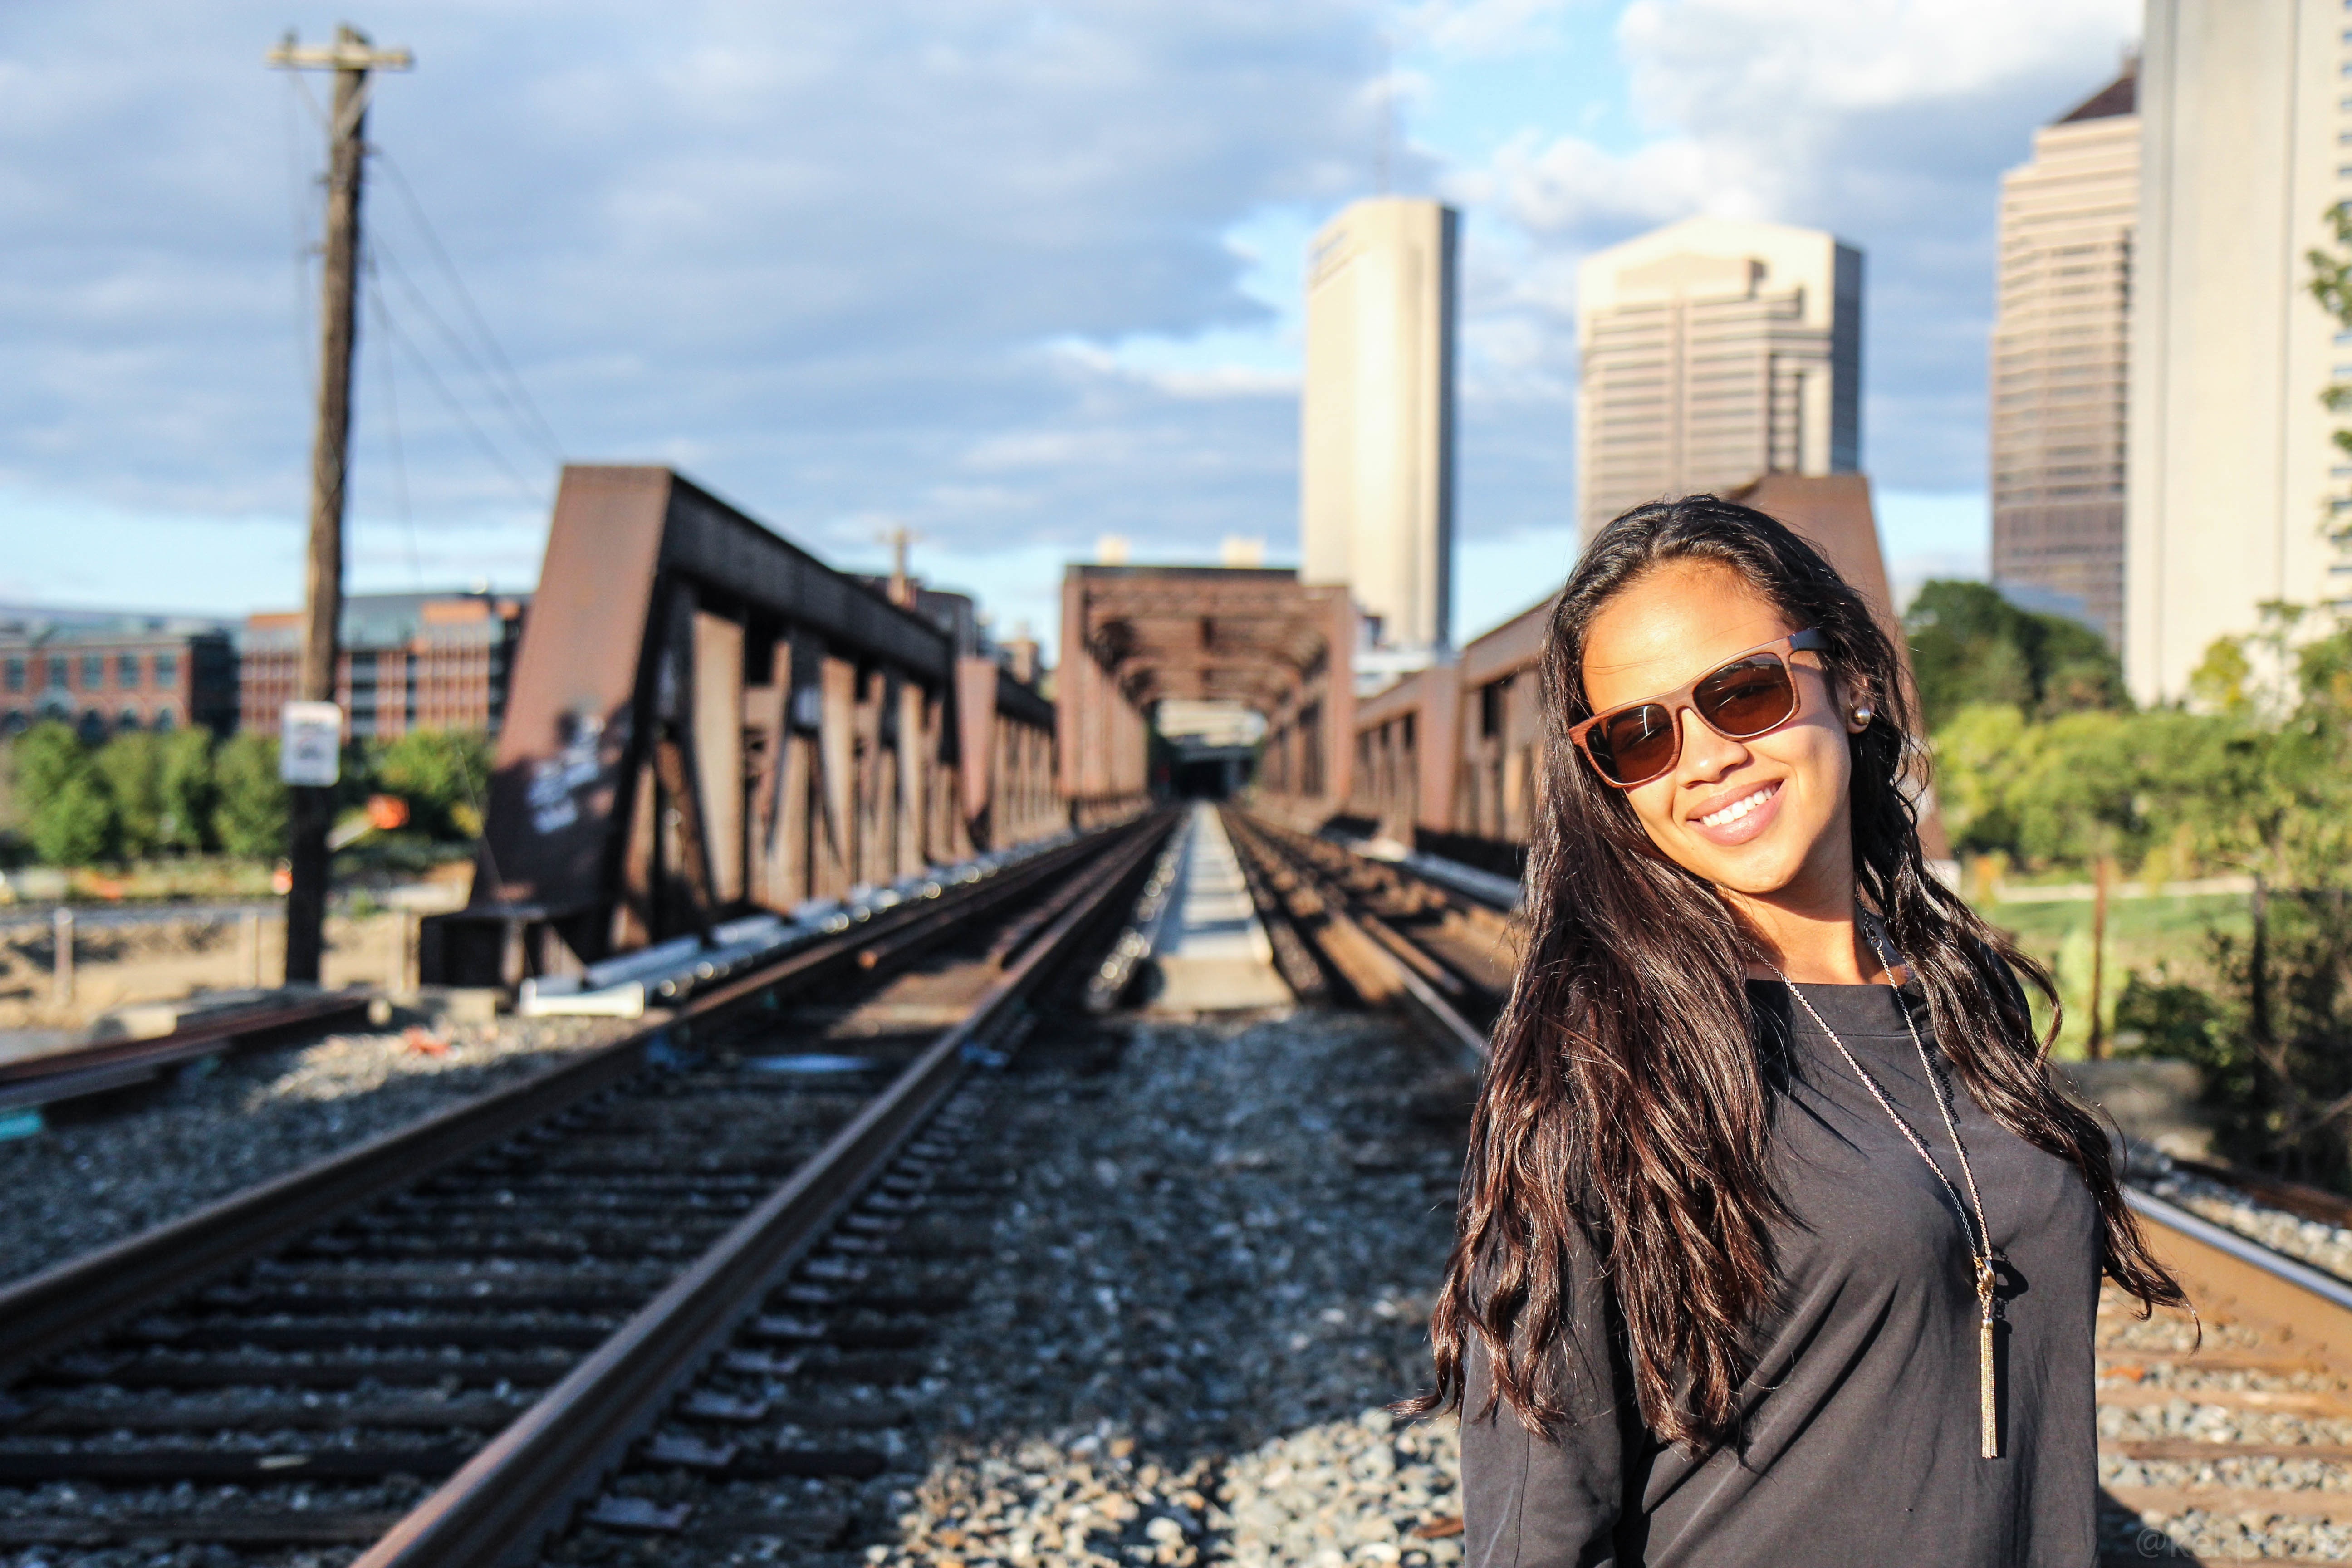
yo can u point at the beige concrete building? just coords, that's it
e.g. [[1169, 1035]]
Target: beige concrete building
[[1376, 458], [2246, 114], [1714, 352], [2060, 336]]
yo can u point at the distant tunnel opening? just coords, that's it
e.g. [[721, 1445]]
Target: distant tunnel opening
[[1214, 777], [1209, 747]]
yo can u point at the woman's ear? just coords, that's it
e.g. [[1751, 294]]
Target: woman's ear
[[1851, 703]]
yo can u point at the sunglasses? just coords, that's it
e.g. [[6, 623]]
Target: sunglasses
[[1753, 695]]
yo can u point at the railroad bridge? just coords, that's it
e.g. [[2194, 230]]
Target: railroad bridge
[[705, 722]]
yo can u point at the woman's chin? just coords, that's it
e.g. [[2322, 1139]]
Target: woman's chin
[[1762, 866]]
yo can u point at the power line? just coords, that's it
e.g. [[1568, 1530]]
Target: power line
[[375, 298], [534, 432], [449, 400], [465, 296]]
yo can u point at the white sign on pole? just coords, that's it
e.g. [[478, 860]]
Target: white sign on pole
[[310, 744]]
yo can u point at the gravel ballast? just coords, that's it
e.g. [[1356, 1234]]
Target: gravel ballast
[[1208, 1284], [100, 1172]]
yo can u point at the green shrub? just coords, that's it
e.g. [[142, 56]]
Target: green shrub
[[2273, 1035]]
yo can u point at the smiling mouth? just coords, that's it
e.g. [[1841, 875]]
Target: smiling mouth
[[1739, 808]]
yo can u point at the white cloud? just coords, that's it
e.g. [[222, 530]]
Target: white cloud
[[1887, 121], [813, 250], [1010, 272], [1482, 28]]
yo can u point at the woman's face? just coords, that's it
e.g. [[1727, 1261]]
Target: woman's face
[[1766, 818]]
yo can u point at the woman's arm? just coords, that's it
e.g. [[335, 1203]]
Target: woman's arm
[[1554, 1502]]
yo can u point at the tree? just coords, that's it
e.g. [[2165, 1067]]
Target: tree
[[443, 774], [132, 764], [187, 790], [250, 813], [2331, 285], [68, 813], [1970, 645]]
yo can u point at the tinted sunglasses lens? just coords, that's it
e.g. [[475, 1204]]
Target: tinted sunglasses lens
[[1635, 747], [1744, 699]]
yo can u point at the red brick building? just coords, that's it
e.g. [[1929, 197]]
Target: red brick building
[[118, 676], [410, 661]]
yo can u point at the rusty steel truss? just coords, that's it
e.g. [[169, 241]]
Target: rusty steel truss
[[706, 720]]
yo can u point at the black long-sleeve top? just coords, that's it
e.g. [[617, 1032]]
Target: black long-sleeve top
[[1862, 1442]]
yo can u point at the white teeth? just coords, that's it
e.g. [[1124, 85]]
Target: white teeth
[[1737, 809]]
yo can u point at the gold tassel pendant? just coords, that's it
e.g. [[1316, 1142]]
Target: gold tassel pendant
[[1988, 1411]]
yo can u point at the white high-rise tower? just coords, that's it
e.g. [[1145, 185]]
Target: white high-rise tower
[[2246, 117], [1376, 460]]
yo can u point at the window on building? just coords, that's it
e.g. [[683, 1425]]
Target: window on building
[[58, 672], [167, 669], [14, 723], [93, 727], [126, 671], [126, 720], [93, 671], [165, 720], [16, 675]]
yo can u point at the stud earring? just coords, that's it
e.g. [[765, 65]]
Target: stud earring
[[1862, 714]]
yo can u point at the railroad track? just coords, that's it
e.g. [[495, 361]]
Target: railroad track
[[2240, 1445], [441, 1347], [109, 1066], [1381, 932]]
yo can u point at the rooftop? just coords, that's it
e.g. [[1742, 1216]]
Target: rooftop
[[2120, 96]]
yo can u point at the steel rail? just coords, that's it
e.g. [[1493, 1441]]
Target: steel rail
[[47, 1312], [117, 1064], [502, 1502], [1401, 981], [2224, 1269]]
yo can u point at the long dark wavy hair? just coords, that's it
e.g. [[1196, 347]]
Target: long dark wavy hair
[[1625, 1111]]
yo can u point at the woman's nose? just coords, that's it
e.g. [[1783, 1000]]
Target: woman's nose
[[1706, 755]]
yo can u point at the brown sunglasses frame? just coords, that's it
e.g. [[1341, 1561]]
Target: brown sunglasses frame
[[1680, 701]]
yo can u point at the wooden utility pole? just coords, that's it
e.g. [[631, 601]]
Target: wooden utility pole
[[351, 57], [2103, 874]]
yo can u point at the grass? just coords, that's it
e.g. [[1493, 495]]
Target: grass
[[2142, 933]]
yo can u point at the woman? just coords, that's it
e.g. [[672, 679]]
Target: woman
[[1741, 1278]]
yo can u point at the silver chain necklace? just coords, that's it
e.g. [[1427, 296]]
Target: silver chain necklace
[[1980, 1233]]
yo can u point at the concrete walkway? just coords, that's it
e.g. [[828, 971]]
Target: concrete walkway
[[1213, 954]]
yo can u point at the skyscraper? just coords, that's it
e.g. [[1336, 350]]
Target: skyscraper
[[2246, 118], [1375, 468], [1714, 352], [2060, 330]]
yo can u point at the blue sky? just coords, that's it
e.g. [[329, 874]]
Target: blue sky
[[1014, 275]]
